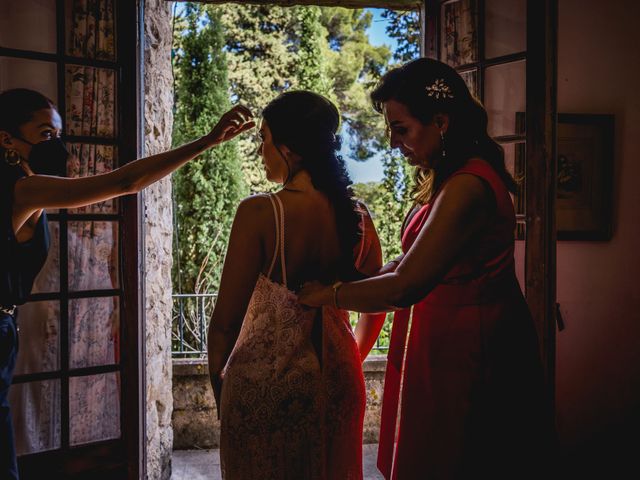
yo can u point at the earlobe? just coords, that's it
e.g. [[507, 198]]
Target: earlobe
[[5, 140], [286, 153], [442, 122]]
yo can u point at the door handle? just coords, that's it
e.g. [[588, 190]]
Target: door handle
[[559, 319]]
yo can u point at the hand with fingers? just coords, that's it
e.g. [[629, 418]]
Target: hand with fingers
[[237, 120], [315, 294]]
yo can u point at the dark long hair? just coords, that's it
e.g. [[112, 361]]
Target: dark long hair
[[17, 107], [307, 124], [466, 136]]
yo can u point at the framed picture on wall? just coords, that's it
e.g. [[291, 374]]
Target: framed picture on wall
[[585, 175]]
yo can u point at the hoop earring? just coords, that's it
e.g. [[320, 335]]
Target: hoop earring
[[444, 152], [12, 157]]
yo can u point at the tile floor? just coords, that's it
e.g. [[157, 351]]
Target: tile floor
[[205, 464]]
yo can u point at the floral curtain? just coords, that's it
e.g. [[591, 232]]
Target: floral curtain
[[91, 96], [94, 401], [92, 29], [459, 39]]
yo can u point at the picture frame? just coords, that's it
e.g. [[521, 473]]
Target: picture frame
[[585, 162], [585, 177]]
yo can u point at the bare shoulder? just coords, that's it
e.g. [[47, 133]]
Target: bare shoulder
[[254, 209], [466, 188]]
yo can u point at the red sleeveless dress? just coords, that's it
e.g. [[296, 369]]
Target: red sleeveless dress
[[463, 396]]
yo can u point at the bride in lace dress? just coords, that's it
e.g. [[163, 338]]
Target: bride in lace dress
[[287, 379]]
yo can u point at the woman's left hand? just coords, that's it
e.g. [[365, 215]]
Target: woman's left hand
[[315, 294]]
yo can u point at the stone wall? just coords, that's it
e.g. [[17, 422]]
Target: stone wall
[[158, 227], [195, 423]]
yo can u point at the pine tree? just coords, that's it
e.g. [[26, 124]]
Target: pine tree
[[206, 190], [404, 27], [261, 60], [354, 67], [311, 66]]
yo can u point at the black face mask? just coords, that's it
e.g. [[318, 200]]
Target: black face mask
[[49, 157]]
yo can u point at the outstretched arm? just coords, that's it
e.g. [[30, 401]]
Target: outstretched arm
[[36, 192], [460, 212]]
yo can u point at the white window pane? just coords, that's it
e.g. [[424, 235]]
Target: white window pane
[[94, 408], [33, 74], [35, 412], [505, 97], [506, 27], [28, 25]]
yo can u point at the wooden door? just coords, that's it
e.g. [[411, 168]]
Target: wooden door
[[506, 52], [75, 396]]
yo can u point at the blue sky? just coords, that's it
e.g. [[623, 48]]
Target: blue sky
[[371, 170]]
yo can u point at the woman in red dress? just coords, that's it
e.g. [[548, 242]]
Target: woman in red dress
[[464, 391]]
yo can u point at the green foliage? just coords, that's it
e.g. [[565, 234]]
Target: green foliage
[[272, 49], [311, 64], [354, 67], [263, 57], [251, 53], [207, 189], [404, 27]]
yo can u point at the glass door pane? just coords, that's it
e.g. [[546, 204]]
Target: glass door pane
[[91, 29], [505, 96], [91, 101], [93, 255], [35, 409], [94, 332], [28, 25], [458, 26], [39, 337], [506, 27], [33, 74], [94, 408]]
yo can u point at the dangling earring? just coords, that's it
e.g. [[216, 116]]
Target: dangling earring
[[444, 152], [12, 157]]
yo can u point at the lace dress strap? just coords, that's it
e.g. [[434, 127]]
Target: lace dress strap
[[282, 261], [275, 249], [278, 212]]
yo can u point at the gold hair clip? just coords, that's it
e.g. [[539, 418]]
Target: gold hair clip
[[439, 89]]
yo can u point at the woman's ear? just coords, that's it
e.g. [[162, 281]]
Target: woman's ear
[[291, 156], [286, 151], [5, 140], [442, 121]]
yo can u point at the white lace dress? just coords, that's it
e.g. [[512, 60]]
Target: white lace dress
[[284, 413]]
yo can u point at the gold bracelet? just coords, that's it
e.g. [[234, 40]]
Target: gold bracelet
[[336, 287]]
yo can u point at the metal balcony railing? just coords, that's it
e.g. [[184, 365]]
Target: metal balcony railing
[[191, 314], [190, 321]]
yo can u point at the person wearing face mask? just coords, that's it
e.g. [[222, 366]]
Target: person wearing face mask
[[464, 394], [32, 168]]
